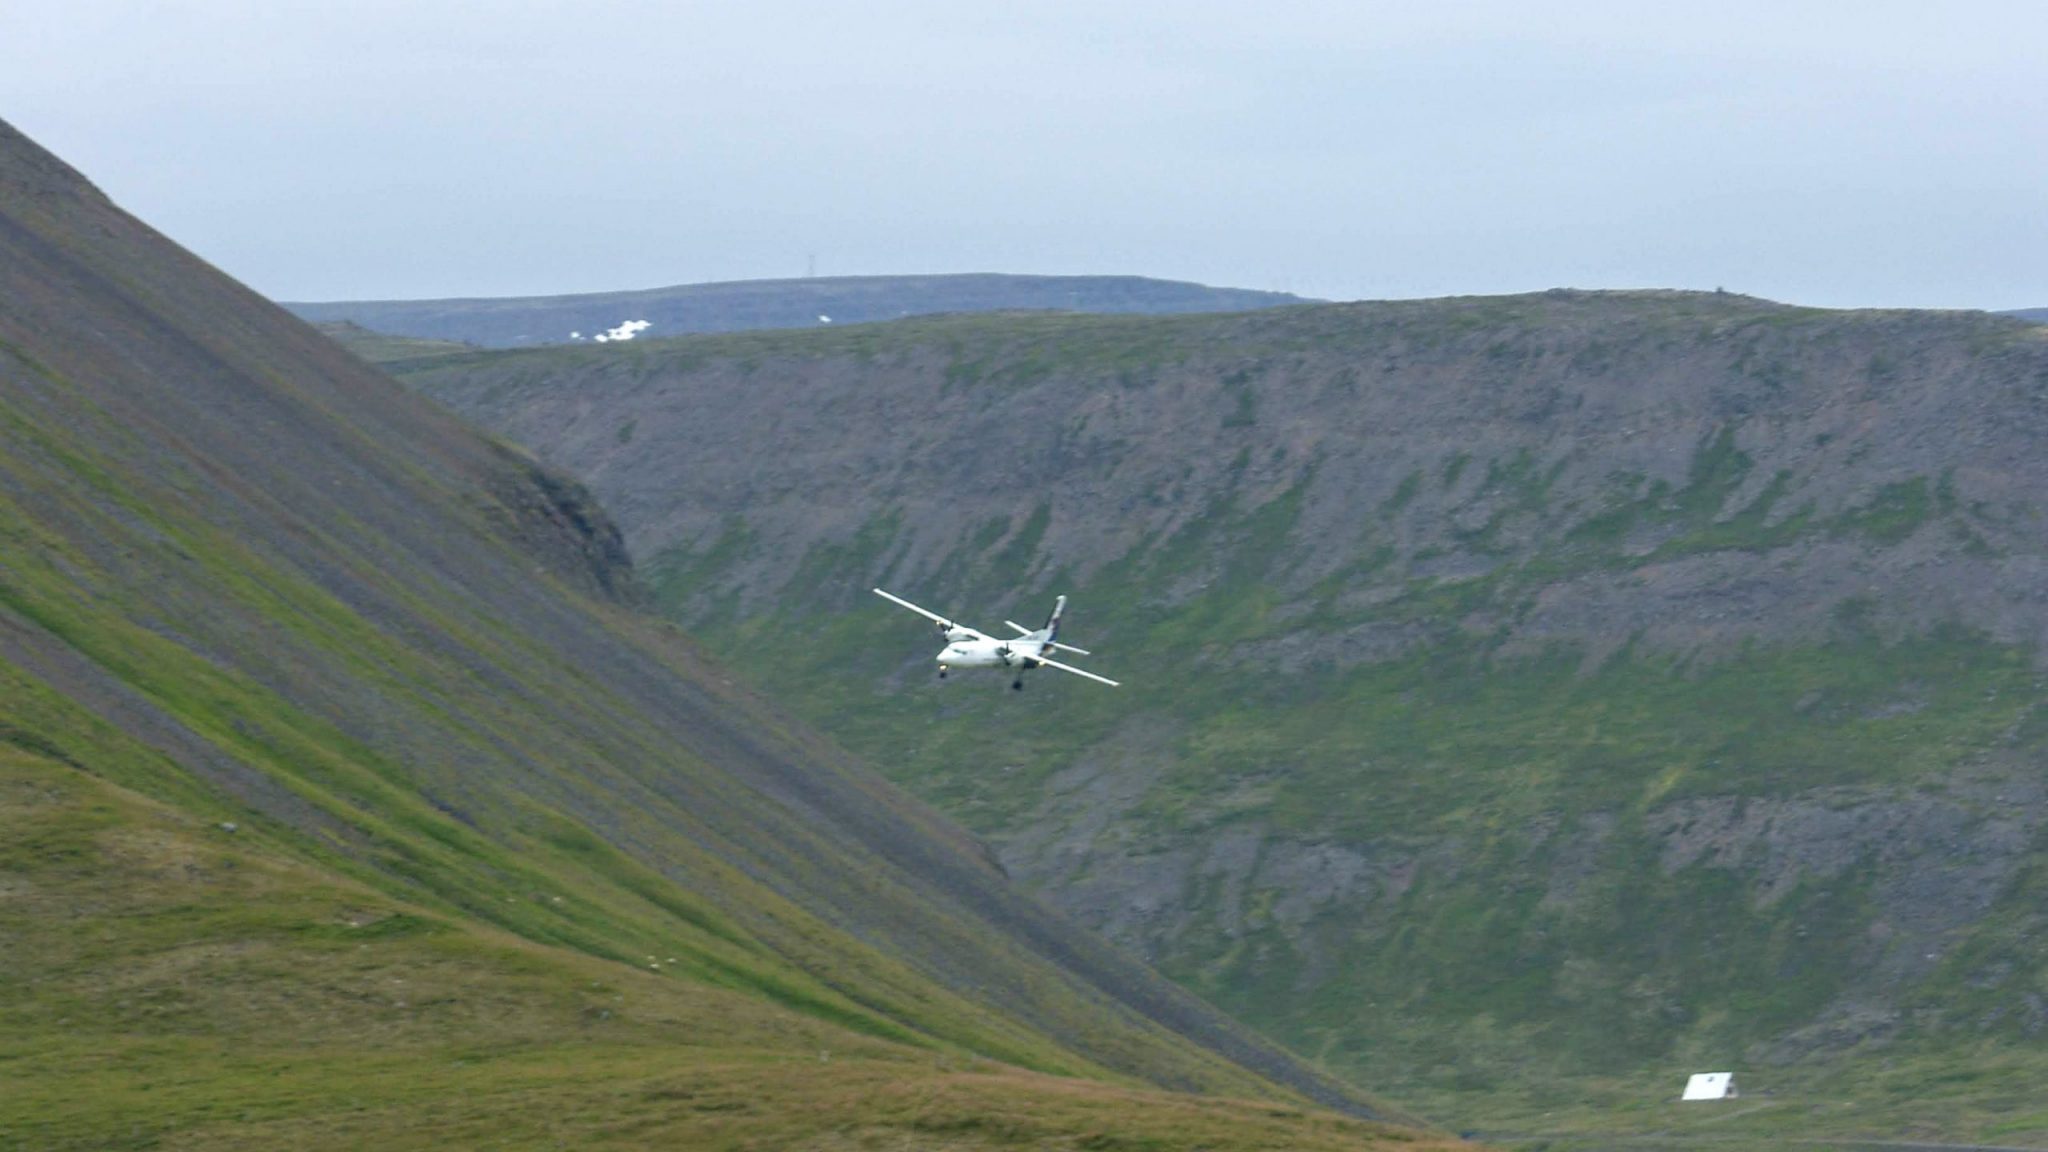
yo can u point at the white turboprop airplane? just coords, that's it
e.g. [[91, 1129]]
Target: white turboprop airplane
[[966, 648]]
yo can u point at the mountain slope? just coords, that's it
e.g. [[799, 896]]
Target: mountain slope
[[752, 304], [349, 794], [1527, 700], [378, 348]]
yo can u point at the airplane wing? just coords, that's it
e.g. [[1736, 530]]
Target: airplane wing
[[1023, 631], [941, 621], [1074, 670]]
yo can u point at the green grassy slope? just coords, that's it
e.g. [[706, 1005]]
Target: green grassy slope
[[175, 984], [508, 859], [1527, 701]]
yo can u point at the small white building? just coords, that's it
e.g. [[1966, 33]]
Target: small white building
[[1711, 1086]]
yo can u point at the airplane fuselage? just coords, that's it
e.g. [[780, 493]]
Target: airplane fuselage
[[990, 653]]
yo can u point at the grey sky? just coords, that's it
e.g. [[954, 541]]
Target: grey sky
[[1875, 153]]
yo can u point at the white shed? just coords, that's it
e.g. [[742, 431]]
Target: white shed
[[1711, 1086]]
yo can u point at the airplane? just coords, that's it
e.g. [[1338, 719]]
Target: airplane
[[967, 648]]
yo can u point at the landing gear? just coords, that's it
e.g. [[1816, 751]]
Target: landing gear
[[942, 671], [1017, 684]]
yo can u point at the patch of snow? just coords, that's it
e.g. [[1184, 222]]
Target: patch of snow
[[625, 331]]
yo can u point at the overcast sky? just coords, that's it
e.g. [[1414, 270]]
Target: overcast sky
[[1869, 153]]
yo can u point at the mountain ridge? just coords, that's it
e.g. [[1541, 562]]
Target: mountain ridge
[[1543, 693], [742, 305]]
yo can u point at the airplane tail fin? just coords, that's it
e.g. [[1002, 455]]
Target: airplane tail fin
[[1052, 622]]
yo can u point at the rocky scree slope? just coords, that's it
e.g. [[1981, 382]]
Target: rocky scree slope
[[1528, 698], [522, 321], [348, 799]]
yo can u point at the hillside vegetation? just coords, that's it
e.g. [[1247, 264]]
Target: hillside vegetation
[[742, 305], [347, 799], [1528, 700], [379, 348]]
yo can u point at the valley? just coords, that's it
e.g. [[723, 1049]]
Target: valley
[[349, 797]]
